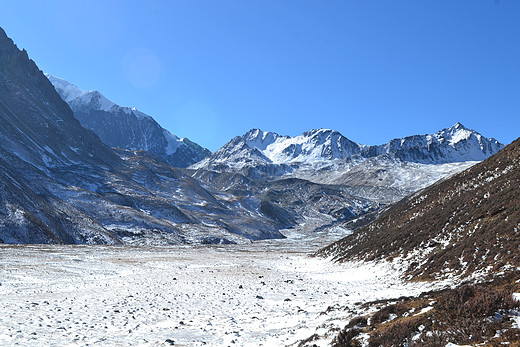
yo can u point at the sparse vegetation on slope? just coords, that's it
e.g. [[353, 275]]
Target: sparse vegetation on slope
[[472, 314], [465, 224]]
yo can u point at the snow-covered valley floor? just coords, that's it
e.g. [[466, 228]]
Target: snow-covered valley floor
[[268, 293]]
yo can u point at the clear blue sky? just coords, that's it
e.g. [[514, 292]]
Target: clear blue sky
[[211, 70]]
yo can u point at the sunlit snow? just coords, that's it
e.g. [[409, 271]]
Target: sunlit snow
[[269, 293]]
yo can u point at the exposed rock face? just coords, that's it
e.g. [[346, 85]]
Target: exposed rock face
[[454, 144], [60, 184], [461, 225], [125, 127], [35, 128]]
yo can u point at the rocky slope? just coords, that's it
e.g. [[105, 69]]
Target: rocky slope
[[465, 225], [61, 184], [125, 127]]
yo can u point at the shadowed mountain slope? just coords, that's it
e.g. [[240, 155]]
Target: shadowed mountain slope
[[61, 184]]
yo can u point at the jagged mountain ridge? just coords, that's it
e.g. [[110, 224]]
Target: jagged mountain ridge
[[464, 225], [125, 127], [270, 148], [61, 184], [327, 157], [454, 144]]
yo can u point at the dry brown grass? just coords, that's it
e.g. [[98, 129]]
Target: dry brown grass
[[470, 314]]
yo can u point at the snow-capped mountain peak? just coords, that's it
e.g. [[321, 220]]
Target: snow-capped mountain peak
[[126, 127], [454, 144], [67, 90], [456, 133], [313, 145], [97, 99], [258, 147], [256, 138], [71, 94]]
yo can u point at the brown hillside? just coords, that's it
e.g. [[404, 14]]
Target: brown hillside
[[464, 224], [434, 319]]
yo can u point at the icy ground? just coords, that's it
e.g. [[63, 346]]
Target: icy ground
[[264, 294]]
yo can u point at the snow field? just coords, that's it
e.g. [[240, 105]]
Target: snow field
[[265, 294]]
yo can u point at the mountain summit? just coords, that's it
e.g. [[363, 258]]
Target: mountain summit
[[454, 144], [125, 127], [268, 147]]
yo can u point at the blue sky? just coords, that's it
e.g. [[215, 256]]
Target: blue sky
[[211, 70]]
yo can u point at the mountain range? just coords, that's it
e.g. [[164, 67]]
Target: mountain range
[[65, 180], [384, 173], [454, 144]]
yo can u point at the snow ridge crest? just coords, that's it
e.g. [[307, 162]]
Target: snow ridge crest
[[317, 146]]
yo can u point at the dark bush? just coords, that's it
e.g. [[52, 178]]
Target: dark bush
[[475, 301], [358, 321], [466, 314], [383, 314], [397, 334], [345, 338]]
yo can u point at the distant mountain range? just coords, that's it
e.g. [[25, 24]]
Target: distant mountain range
[[327, 157], [125, 127], [454, 144]]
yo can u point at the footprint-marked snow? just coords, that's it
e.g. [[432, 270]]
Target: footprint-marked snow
[[268, 293]]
